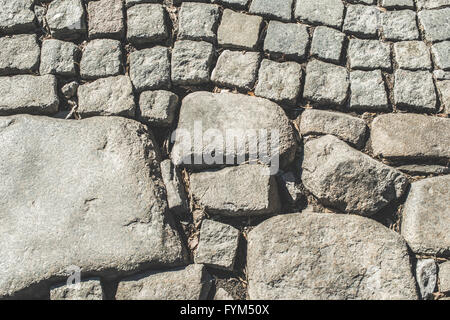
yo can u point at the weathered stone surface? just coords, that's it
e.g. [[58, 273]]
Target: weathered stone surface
[[176, 195], [218, 245], [412, 55], [222, 295], [130, 3], [239, 30], [190, 283], [400, 25], [426, 216], [191, 62], [59, 58], [150, 68], [327, 256], [328, 12], [444, 277], [432, 4], [146, 24], [112, 96], [326, 83], [89, 289], [441, 74], [369, 54], [16, 16], [368, 91], [436, 24], [418, 169], [158, 108], [290, 187], [362, 20], [327, 44], [240, 4], [441, 54], [351, 181], [19, 54], [218, 112], [288, 39], [392, 135], [398, 4], [106, 19], [245, 190], [341, 125], [110, 216], [444, 92], [101, 58], [66, 19], [426, 275], [414, 90], [281, 9], [198, 21], [236, 69], [70, 89], [279, 81], [28, 94]]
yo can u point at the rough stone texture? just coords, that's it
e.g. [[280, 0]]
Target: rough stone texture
[[327, 256], [436, 24], [290, 188], [369, 54], [392, 135], [398, 4], [240, 4], [288, 39], [444, 92], [89, 289], [328, 12], [146, 24], [441, 54], [218, 111], [28, 94], [176, 195], [444, 277], [432, 4], [414, 90], [279, 82], [400, 25], [281, 9], [66, 19], [426, 275], [16, 16], [101, 58], [130, 3], [441, 74], [412, 55], [245, 190], [150, 68], [59, 58], [222, 295], [190, 283], [70, 89], [111, 96], [318, 122], [362, 20], [239, 30], [198, 21], [19, 54], [426, 216], [191, 62], [327, 44], [218, 245], [417, 169], [326, 83], [236, 69], [111, 218], [158, 108], [368, 91], [344, 178], [106, 19]]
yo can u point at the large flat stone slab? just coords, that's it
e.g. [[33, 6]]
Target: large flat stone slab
[[79, 193], [327, 256]]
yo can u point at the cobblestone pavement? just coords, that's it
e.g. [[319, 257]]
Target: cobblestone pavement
[[95, 185]]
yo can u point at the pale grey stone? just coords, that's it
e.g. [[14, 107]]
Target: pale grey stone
[[400, 25], [444, 277], [436, 24], [19, 54], [444, 92], [239, 30], [218, 245], [280, 9], [158, 108], [239, 4], [326, 83], [66, 19], [16, 16], [198, 21], [319, 122], [146, 24], [288, 39], [327, 256], [70, 89], [368, 91], [176, 195], [40, 11], [279, 81], [130, 3], [236, 69], [101, 58], [441, 74], [398, 4], [290, 188], [28, 94], [106, 19], [426, 216], [59, 58], [191, 62], [441, 55], [418, 169], [93, 198], [426, 275], [190, 283], [362, 20], [89, 289], [327, 44], [150, 68], [112, 96], [369, 54], [222, 295], [414, 90], [244, 190], [327, 12], [412, 55], [432, 4]]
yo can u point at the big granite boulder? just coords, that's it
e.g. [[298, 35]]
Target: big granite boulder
[[79, 193], [327, 256]]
